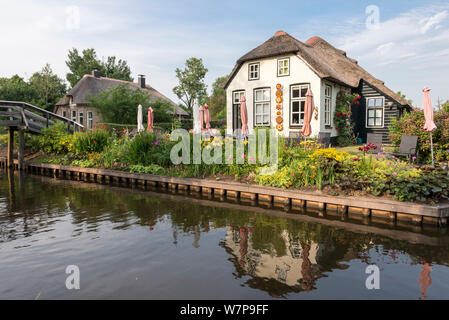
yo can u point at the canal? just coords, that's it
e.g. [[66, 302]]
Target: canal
[[142, 244]]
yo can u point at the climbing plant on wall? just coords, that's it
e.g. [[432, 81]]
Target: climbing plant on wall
[[343, 117]]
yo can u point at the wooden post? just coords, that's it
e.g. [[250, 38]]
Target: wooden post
[[21, 150], [11, 148]]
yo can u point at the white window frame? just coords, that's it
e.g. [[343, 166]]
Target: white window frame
[[375, 108], [298, 99], [73, 113], [262, 103], [64, 114], [81, 117], [254, 74], [283, 67], [90, 117], [327, 105]]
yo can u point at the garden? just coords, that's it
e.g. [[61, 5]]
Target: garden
[[302, 165]]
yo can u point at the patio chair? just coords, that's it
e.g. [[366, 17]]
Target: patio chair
[[324, 138], [408, 147], [375, 138]]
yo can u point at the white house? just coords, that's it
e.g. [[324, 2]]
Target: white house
[[275, 76]]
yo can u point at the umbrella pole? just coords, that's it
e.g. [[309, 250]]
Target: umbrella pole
[[431, 148]]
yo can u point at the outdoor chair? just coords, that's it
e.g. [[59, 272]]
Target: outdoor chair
[[375, 138], [324, 138], [408, 147]]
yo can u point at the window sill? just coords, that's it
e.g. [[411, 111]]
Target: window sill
[[328, 127]]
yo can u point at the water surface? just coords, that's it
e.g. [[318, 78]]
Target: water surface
[[138, 244]]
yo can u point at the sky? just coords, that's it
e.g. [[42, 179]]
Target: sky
[[404, 43]]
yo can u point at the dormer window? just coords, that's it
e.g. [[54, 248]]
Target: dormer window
[[283, 67], [253, 71]]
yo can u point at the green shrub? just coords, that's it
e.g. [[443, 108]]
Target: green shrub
[[54, 140], [89, 142], [149, 148], [412, 123]]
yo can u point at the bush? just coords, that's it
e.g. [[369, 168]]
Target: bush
[[149, 148], [90, 142], [412, 124], [54, 140]]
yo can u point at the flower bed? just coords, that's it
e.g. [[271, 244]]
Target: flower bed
[[300, 166]]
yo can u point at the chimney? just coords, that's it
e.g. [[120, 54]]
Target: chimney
[[141, 81], [96, 73]]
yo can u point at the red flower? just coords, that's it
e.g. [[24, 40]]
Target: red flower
[[338, 114], [344, 114], [337, 128]]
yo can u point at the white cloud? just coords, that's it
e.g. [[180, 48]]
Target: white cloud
[[408, 51]]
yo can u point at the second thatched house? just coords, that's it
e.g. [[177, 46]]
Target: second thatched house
[[75, 104]]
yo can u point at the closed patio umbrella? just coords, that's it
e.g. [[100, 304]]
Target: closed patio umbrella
[[150, 120], [140, 119], [308, 113], [428, 115], [206, 117], [201, 118], [244, 115]]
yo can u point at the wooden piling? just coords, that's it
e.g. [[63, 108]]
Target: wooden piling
[[21, 150], [11, 148]]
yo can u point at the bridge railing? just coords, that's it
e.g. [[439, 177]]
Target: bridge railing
[[14, 114]]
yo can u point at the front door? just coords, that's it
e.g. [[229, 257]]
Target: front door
[[236, 114]]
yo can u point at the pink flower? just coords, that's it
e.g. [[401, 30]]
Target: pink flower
[[251, 159], [243, 156], [395, 173], [230, 157]]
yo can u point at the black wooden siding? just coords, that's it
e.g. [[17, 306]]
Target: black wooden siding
[[366, 90]]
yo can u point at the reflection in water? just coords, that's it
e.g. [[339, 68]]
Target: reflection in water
[[140, 232]]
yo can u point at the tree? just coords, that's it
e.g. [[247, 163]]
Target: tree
[[119, 105], [49, 88], [81, 65], [445, 106], [217, 100], [191, 82], [403, 96], [17, 89]]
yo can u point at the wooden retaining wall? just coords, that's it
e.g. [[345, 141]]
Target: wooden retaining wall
[[363, 209]]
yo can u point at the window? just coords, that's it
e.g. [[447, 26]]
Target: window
[[327, 105], [297, 104], [81, 117], [73, 115], [253, 70], [283, 67], [375, 112], [64, 114], [262, 107], [89, 120]]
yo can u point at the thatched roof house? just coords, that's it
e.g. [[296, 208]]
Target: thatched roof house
[[75, 104], [324, 64]]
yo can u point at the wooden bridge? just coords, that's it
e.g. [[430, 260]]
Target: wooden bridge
[[24, 117]]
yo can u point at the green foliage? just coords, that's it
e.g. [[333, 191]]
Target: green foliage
[[217, 100], [412, 123], [342, 118], [147, 149], [151, 169], [44, 89], [90, 142], [191, 82], [54, 140], [80, 65], [49, 87], [119, 104]]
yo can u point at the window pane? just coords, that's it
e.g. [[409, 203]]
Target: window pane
[[259, 95], [266, 119], [371, 102], [295, 93], [295, 118], [370, 113], [303, 105], [295, 106], [378, 102], [266, 108], [258, 119], [371, 121], [266, 95], [303, 91], [378, 121]]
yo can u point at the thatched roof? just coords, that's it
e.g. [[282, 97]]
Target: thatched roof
[[91, 85], [327, 61]]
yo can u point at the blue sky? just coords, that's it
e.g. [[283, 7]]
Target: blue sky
[[408, 51]]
